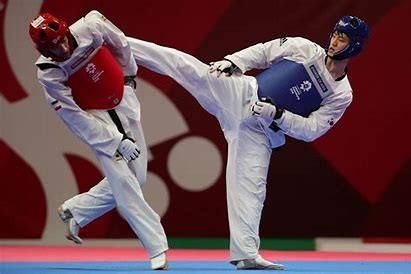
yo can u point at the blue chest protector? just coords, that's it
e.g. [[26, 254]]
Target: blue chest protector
[[296, 87]]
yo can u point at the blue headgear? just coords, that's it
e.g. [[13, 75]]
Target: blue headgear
[[357, 30]]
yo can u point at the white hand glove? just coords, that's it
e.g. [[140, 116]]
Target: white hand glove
[[223, 66], [265, 111], [128, 150]]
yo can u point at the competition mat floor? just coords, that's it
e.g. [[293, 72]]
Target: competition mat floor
[[85, 260]]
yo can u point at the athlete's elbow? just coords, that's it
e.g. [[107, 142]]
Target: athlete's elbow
[[310, 136], [94, 13], [308, 139]]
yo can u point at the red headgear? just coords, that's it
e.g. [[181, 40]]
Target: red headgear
[[47, 32]]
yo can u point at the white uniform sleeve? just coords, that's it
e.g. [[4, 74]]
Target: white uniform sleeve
[[264, 55], [318, 122], [90, 130], [114, 39]]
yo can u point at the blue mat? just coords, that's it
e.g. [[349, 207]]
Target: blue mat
[[204, 267]]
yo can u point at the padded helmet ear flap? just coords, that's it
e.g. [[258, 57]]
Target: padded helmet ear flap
[[358, 32]]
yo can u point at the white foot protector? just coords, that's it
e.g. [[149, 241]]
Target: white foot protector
[[258, 263], [159, 262], [72, 227]]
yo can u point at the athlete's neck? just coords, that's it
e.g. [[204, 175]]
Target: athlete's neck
[[337, 68]]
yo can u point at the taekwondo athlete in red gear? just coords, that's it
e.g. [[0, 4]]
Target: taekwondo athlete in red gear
[[302, 93], [87, 72]]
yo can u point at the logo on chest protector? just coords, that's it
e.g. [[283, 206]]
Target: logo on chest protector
[[99, 82], [297, 91], [93, 72]]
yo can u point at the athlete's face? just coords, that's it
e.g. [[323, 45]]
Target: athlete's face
[[339, 41], [62, 49]]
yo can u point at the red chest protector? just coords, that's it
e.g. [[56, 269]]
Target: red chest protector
[[99, 83]]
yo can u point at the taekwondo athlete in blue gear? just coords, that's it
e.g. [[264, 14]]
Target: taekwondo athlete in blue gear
[[310, 86]]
